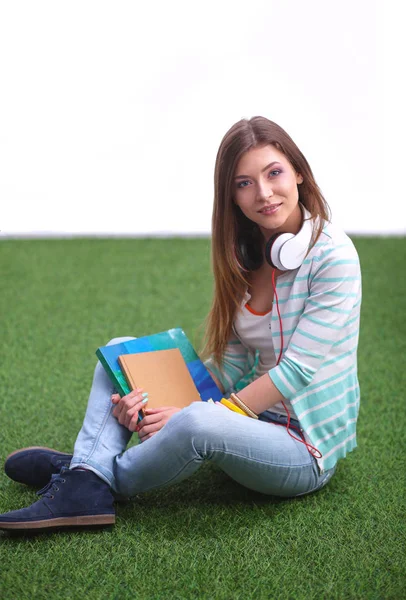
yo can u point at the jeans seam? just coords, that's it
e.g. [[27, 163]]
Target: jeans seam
[[259, 461], [102, 426], [169, 480], [230, 454]]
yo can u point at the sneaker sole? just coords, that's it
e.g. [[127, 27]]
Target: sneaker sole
[[83, 521], [37, 448]]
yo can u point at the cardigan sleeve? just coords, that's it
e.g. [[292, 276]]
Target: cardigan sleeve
[[234, 366], [334, 291]]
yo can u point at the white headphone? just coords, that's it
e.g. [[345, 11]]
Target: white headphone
[[287, 251]]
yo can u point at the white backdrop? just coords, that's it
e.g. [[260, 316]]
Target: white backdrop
[[112, 112]]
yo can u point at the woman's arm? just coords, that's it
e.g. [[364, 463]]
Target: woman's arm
[[335, 293], [234, 366], [261, 394], [216, 381]]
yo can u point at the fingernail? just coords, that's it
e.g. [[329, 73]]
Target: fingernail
[[145, 395], [144, 401]]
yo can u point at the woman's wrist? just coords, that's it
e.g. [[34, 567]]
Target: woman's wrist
[[261, 394], [238, 402]]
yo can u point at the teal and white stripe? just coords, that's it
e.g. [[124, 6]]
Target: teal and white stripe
[[320, 309]]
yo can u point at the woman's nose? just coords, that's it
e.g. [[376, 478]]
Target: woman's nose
[[264, 191]]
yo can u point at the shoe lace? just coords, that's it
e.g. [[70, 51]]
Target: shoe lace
[[56, 461], [51, 486]]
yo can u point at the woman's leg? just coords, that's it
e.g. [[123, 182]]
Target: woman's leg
[[101, 437], [259, 455], [256, 454], [74, 497]]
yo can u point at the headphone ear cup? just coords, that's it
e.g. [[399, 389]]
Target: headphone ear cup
[[287, 251], [275, 247], [250, 257], [268, 249]]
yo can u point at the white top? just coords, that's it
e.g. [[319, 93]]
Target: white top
[[254, 331]]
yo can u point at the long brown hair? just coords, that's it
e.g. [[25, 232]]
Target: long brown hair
[[228, 222]]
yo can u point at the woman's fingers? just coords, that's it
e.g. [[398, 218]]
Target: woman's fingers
[[149, 424], [161, 409], [130, 415], [132, 425], [150, 418], [122, 416], [142, 431], [147, 436], [145, 430], [134, 400], [116, 397], [154, 420]]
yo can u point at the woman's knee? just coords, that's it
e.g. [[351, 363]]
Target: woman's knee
[[197, 418], [120, 340], [99, 369]]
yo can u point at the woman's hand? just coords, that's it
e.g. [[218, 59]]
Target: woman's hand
[[127, 408], [154, 420]]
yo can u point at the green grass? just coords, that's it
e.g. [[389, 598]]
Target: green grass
[[206, 537]]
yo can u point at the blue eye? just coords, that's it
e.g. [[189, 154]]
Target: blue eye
[[273, 173]]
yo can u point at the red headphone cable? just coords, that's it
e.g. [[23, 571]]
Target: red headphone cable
[[313, 451]]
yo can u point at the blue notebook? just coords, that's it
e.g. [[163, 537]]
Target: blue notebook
[[166, 340]]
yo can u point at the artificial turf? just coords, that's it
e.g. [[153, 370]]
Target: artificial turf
[[207, 537]]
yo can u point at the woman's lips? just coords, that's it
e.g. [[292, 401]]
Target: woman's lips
[[269, 210]]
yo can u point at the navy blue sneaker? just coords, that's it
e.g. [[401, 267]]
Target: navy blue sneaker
[[73, 498], [35, 465]]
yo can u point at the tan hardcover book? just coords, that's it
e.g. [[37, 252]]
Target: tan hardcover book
[[163, 374]]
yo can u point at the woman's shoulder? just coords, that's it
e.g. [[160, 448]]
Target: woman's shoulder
[[333, 244]]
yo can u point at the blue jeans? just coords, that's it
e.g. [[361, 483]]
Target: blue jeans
[[257, 454]]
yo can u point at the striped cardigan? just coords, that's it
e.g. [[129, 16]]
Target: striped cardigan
[[320, 306]]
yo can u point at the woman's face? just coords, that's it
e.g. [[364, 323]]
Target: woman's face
[[265, 189]]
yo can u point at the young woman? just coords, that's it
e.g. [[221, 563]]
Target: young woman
[[281, 342]]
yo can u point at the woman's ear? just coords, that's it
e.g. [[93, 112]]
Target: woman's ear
[[299, 178]]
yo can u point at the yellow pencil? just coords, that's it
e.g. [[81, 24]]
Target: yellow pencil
[[232, 406]]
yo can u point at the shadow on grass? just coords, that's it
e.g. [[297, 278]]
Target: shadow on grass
[[203, 501]]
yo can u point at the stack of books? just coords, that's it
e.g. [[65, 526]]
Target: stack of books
[[164, 364]]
